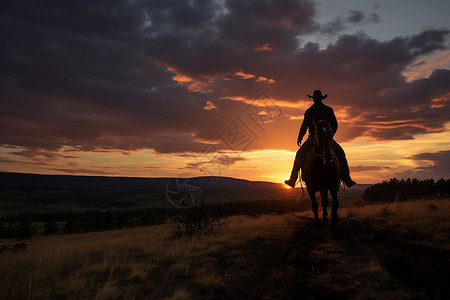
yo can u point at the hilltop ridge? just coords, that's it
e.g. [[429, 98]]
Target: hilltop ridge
[[80, 182]]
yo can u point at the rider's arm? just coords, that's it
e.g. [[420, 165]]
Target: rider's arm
[[304, 127]]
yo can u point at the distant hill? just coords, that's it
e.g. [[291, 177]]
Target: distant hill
[[154, 185], [65, 193]]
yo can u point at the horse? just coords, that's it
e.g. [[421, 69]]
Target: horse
[[321, 172]]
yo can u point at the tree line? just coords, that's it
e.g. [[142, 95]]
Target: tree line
[[24, 225], [400, 190]]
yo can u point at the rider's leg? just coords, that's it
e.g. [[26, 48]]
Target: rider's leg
[[299, 161], [345, 171]]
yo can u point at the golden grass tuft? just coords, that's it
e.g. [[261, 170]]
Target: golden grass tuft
[[139, 271], [74, 286], [109, 291], [207, 278], [181, 294]]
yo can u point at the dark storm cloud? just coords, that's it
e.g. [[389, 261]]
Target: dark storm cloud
[[376, 6], [436, 160], [130, 75], [364, 76], [438, 165], [228, 37], [367, 168], [217, 161], [356, 16], [374, 18], [335, 26], [93, 76], [344, 22], [76, 74]]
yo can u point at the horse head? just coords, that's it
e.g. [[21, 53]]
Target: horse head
[[323, 138]]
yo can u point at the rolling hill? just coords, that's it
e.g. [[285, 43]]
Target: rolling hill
[[72, 182], [21, 192]]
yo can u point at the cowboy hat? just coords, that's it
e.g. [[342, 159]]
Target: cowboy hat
[[318, 95]]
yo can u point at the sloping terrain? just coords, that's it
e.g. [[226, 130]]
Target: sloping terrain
[[363, 260], [383, 251]]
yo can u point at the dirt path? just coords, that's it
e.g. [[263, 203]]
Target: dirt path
[[361, 261]]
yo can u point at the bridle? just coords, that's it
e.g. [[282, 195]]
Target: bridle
[[316, 142]]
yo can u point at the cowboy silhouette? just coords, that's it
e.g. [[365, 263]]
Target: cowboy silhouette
[[318, 111]]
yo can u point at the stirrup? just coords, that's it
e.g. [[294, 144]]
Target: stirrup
[[342, 185]]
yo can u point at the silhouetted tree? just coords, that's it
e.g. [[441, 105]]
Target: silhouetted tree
[[394, 189]]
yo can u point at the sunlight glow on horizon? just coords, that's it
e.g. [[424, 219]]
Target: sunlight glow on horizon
[[387, 158]]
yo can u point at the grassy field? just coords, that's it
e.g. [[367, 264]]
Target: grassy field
[[390, 251]]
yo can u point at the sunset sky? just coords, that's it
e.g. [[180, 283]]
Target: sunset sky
[[189, 88]]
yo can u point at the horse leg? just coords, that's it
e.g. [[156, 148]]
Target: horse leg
[[324, 197], [312, 197], [335, 205]]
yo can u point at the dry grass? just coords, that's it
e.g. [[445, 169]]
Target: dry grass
[[146, 263], [424, 217], [106, 265], [207, 277], [181, 294]]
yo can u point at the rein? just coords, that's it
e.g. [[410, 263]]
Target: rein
[[317, 146], [301, 185], [316, 143]]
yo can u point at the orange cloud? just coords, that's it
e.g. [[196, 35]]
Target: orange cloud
[[210, 106], [439, 101], [192, 84], [244, 75], [265, 79], [302, 105], [265, 47], [208, 142], [292, 117]]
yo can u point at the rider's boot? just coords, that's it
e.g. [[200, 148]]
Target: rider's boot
[[349, 182], [291, 182]]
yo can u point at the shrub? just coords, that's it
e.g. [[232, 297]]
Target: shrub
[[50, 228], [196, 219]]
